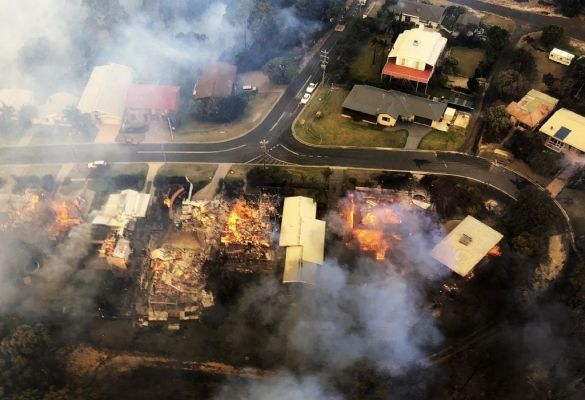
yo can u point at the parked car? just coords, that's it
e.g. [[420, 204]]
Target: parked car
[[135, 128], [131, 140], [311, 88], [305, 98], [249, 88], [96, 164]]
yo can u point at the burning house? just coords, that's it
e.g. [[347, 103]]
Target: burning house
[[466, 245], [122, 209]]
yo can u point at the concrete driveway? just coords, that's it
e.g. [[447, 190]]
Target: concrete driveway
[[415, 134]]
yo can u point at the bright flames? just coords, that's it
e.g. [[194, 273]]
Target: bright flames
[[369, 221], [66, 217]]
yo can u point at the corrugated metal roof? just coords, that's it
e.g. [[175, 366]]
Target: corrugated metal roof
[[294, 210], [466, 245], [153, 97], [106, 90], [424, 11], [532, 108], [373, 101], [216, 80], [423, 45], [566, 126]]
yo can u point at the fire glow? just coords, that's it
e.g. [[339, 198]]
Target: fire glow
[[370, 221]]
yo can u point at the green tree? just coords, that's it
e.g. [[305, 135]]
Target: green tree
[[497, 38], [281, 70], [82, 123], [570, 8], [7, 120], [497, 123], [225, 109], [510, 84], [523, 61], [552, 35]]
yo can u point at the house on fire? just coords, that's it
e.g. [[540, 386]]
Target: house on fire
[[386, 107], [414, 55], [418, 13], [217, 80]]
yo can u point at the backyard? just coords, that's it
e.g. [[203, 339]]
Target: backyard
[[332, 129], [364, 67], [469, 59], [452, 140]]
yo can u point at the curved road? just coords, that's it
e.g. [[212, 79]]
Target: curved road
[[283, 148]]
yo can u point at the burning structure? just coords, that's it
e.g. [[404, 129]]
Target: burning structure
[[304, 239], [122, 209], [466, 245], [371, 219], [35, 208]]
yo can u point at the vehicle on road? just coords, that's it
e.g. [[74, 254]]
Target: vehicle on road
[[249, 88], [311, 88], [132, 140], [305, 98], [96, 164], [135, 128]]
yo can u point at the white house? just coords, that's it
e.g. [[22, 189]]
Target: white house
[[561, 56], [104, 96], [565, 130]]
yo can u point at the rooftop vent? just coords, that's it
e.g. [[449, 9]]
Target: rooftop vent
[[465, 240], [415, 43]]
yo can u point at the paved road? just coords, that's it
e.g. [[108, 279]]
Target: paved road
[[575, 27], [283, 148]]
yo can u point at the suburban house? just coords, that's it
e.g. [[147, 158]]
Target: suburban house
[[147, 102], [531, 110], [52, 112], [217, 80], [566, 131], [414, 55], [418, 13], [386, 107], [104, 96], [466, 245]]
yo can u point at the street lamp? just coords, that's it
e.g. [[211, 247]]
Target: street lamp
[[263, 147]]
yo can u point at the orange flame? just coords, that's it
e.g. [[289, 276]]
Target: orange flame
[[240, 211], [372, 240], [495, 251]]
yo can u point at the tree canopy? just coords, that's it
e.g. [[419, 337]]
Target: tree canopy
[[510, 84], [497, 123], [552, 35]]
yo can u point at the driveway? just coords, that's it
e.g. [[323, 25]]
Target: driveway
[[415, 134]]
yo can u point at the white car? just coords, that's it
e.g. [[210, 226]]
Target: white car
[[311, 88], [95, 164], [305, 98]]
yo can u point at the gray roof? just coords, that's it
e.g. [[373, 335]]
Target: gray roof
[[424, 11], [468, 18], [373, 101]]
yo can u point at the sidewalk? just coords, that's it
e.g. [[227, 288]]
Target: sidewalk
[[209, 191]]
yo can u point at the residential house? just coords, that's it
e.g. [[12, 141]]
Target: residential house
[[531, 110], [566, 131], [466, 245], [147, 102], [52, 112], [217, 80], [414, 55], [418, 13], [386, 107], [104, 96]]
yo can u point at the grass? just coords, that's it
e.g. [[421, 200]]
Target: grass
[[206, 132], [502, 22], [128, 169], [334, 130], [30, 170], [469, 60], [453, 139], [56, 134], [362, 68], [195, 172]]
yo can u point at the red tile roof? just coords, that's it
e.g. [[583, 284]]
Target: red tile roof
[[153, 97], [400, 72]]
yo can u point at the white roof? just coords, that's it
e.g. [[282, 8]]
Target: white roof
[[122, 249], [15, 98], [466, 245], [566, 126], [424, 45], [304, 237], [56, 104], [562, 53], [106, 90], [121, 207]]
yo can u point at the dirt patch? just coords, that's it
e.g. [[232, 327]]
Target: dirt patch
[[548, 272]]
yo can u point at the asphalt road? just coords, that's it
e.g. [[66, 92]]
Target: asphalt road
[[282, 148]]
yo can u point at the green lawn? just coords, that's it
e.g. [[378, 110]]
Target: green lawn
[[195, 172], [469, 60], [334, 130], [362, 68], [437, 140], [128, 169], [206, 132]]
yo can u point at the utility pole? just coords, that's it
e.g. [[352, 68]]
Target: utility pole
[[263, 146], [324, 61]]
